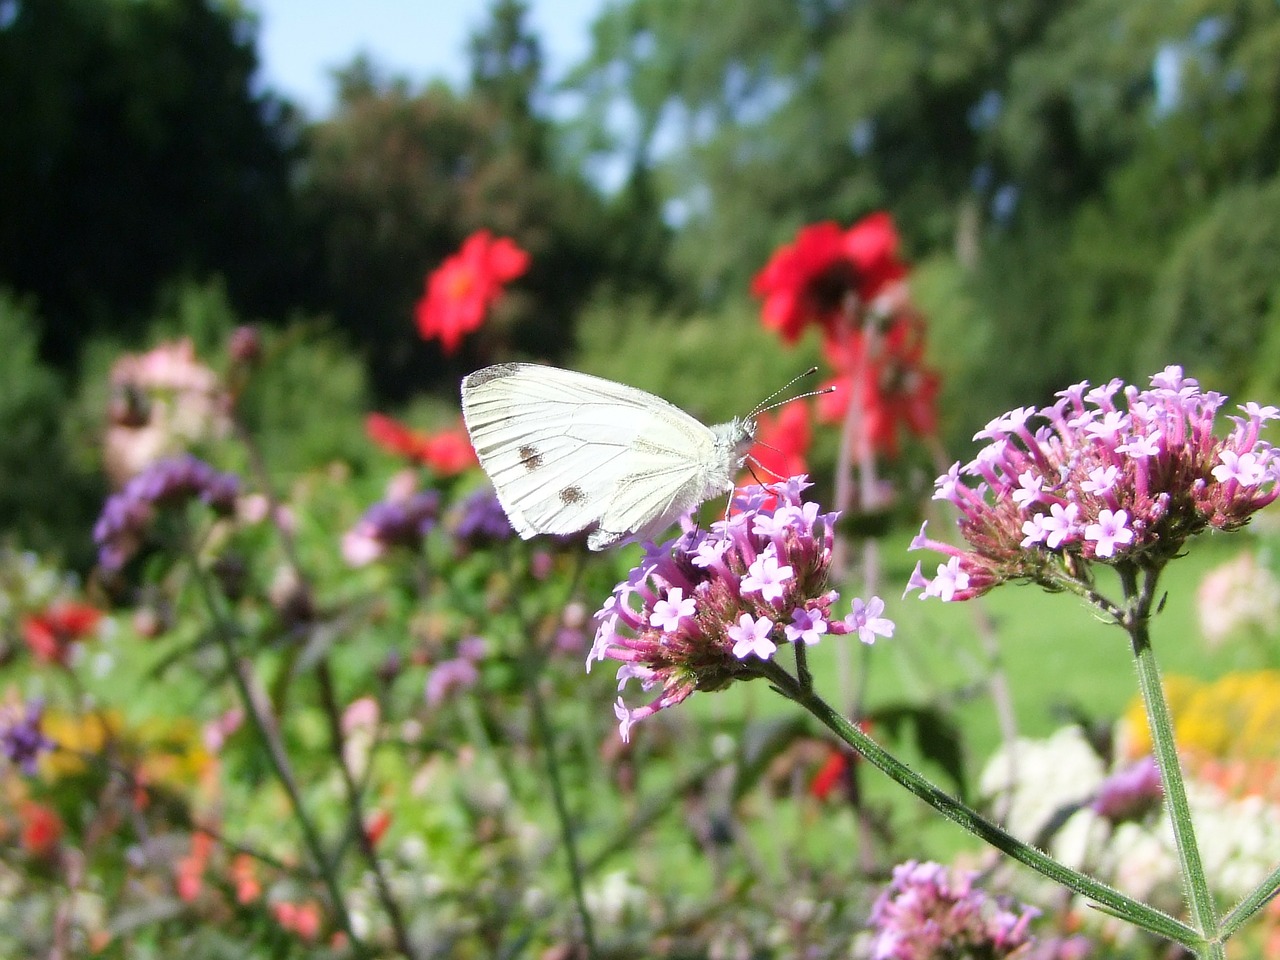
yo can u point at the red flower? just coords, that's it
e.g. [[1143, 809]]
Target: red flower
[[820, 276], [872, 245], [894, 390], [446, 452], [462, 289], [376, 826], [41, 828], [300, 918], [782, 440], [244, 876], [829, 775], [806, 281], [189, 870], [50, 634]]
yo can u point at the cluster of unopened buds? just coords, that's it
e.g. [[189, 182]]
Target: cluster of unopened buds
[[1111, 474], [712, 606]]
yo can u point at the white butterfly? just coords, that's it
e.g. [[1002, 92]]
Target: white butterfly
[[568, 451]]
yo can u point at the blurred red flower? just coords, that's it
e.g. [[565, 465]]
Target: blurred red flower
[[447, 452], [41, 828], [782, 440], [813, 279], [244, 876], [829, 775], [51, 633], [189, 870], [376, 826], [300, 918], [872, 245], [806, 281], [461, 290], [895, 391]]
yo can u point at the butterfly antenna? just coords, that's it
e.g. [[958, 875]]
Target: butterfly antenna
[[764, 405], [752, 463]]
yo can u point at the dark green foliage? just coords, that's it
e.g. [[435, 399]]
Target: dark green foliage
[[398, 177], [1218, 299], [136, 150], [45, 501]]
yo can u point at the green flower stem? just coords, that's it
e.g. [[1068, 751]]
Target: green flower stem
[[534, 660], [1204, 913], [803, 674], [268, 734], [541, 723], [355, 807], [1110, 899], [1263, 894]]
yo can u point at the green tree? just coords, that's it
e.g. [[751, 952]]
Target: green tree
[[398, 177], [136, 149]]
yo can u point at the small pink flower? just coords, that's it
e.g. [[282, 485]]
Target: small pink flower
[[866, 622], [1109, 532], [668, 613], [752, 637]]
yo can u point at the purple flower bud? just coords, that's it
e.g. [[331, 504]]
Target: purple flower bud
[[391, 523], [450, 677], [1130, 793]]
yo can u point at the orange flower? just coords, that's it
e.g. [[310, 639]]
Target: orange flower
[[51, 633], [41, 828], [245, 878], [462, 289]]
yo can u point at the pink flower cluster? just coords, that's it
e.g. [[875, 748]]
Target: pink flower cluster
[[1109, 473], [929, 912], [708, 607]]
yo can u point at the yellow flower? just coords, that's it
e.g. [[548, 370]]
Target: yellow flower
[[164, 751], [1227, 729]]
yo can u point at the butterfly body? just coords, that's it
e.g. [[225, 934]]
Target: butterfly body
[[567, 452]]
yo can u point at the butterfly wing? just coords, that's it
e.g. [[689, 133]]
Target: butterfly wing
[[567, 451]]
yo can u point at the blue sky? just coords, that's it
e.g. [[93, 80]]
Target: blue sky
[[299, 41]]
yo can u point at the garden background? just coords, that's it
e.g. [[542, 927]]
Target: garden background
[[1079, 191]]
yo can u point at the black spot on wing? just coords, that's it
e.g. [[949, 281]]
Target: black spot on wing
[[570, 495], [488, 374], [530, 457]]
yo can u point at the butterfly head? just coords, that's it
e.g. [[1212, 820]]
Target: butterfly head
[[734, 439]]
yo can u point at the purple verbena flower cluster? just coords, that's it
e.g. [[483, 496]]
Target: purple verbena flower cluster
[[172, 482], [1091, 478], [707, 607], [931, 913], [482, 520], [21, 739], [391, 523]]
